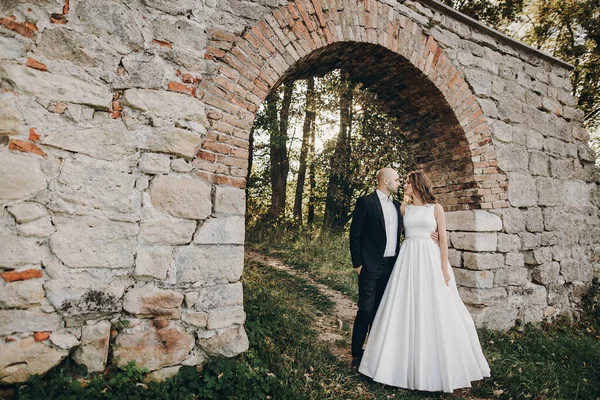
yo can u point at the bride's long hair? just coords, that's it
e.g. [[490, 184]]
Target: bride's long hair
[[421, 186]]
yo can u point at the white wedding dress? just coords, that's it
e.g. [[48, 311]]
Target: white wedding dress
[[423, 336]]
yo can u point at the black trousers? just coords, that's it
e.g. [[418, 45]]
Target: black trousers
[[371, 285]]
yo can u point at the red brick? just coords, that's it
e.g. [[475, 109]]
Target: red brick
[[305, 17], [35, 64], [219, 34], [41, 336], [240, 153], [252, 40], [205, 155], [280, 18], [26, 147], [207, 176], [216, 147], [319, 13], [162, 43], [239, 183], [33, 135], [58, 19], [66, 7], [15, 276], [22, 29], [189, 78], [181, 88], [266, 42], [212, 52], [293, 11]]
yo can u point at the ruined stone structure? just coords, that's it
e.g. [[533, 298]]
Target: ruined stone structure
[[123, 154]]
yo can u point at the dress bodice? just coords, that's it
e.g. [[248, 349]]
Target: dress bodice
[[419, 221]]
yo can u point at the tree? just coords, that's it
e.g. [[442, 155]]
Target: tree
[[493, 13], [339, 189], [307, 132], [278, 128]]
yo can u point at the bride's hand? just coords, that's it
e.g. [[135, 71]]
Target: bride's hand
[[446, 276]]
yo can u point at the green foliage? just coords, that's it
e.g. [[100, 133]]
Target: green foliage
[[492, 13]]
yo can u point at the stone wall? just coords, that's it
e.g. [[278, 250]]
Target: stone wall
[[124, 145]]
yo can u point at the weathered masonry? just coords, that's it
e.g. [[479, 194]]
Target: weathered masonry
[[123, 156]]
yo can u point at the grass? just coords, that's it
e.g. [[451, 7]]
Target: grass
[[326, 257], [560, 360]]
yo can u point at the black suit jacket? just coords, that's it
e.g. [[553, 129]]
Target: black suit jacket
[[367, 232]]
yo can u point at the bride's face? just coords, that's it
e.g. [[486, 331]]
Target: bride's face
[[408, 189]]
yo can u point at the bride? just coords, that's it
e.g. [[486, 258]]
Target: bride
[[423, 337]]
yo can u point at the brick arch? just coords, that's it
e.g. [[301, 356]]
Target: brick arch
[[452, 140]]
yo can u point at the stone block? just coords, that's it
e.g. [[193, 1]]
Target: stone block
[[151, 163], [229, 230], [576, 194], [23, 358], [197, 319], [65, 339], [184, 197], [40, 228], [228, 343], [512, 219], [21, 176], [473, 220], [539, 163], [512, 158], [229, 201], [145, 70], [512, 276], [112, 21], [167, 232], [483, 297], [26, 321], [153, 262], [482, 261], [542, 255], [47, 86], [534, 220], [515, 260], [549, 191], [455, 258], [521, 190], [219, 296], [474, 241], [209, 263], [111, 141], [500, 317], [12, 121], [93, 351], [474, 279], [168, 105], [530, 241], [17, 251], [508, 243], [546, 273], [573, 270], [22, 294], [27, 212], [81, 295], [149, 301], [85, 185], [562, 168], [219, 318], [154, 344], [175, 141], [90, 242]]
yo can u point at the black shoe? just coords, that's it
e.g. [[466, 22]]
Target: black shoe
[[356, 362]]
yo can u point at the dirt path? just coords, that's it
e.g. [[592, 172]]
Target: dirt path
[[330, 327]]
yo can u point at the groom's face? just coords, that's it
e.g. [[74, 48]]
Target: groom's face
[[393, 182]]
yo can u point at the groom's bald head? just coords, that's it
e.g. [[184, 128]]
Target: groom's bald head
[[388, 180]]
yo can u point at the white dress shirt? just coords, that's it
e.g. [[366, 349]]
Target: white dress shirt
[[390, 217]]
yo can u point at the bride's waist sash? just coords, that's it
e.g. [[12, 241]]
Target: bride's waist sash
[[418, 236]]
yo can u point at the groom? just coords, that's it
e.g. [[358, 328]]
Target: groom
[[374, 244]]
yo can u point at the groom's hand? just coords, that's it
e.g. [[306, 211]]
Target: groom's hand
[[435, 237], [358, 269]]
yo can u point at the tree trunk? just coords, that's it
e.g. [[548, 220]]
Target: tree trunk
[[312, 180], [278, 150], [339, 190], [309, 120]]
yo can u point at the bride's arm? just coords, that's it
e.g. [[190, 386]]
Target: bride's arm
[[440, 218]]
